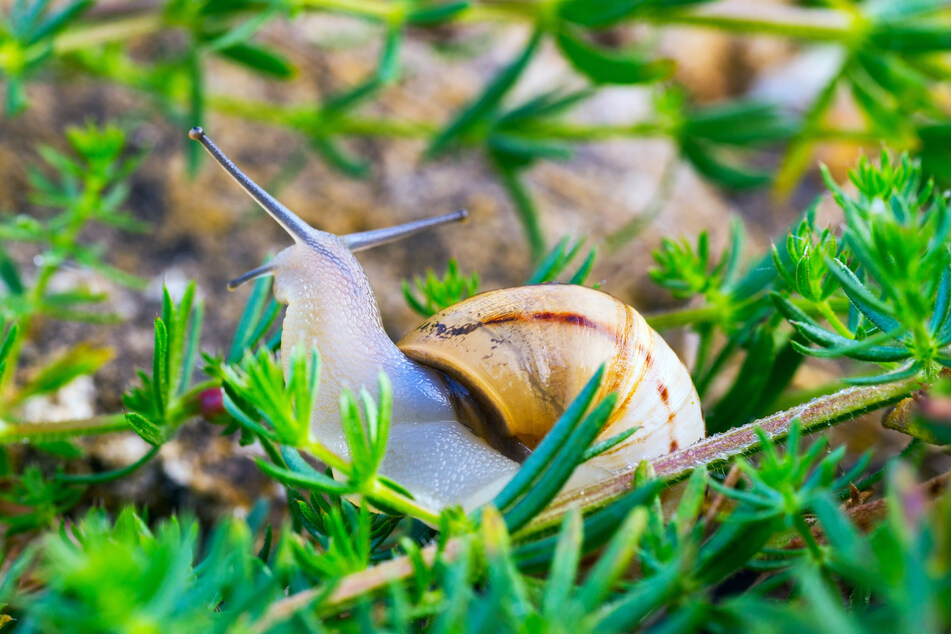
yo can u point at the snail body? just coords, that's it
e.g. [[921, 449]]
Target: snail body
[[479, 384]]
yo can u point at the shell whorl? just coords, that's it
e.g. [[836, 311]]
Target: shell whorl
[[525, 353]]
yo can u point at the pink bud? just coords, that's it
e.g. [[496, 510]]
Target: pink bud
[[212, 404]]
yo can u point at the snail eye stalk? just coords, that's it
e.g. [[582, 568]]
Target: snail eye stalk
[[253, 274], [291, 222], [376, 237]]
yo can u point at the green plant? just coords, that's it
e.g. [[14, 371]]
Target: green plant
[[894, 574], [764, 536], [897, 279], [890, 65], [89, 188], [358, 551], [430, 295], [101, 575], [26, 43]]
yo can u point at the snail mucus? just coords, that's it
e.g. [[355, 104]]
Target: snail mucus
[[479, 384]]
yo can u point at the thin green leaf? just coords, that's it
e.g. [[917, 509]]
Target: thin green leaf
[[250, 319], [145, 428], [598, 12], [614, 562], [7, 345], [876, 311], [261, 59], [900, 374], [111, 476], [313, 481], [10, 274], [564, 567], [607, 444], [942, 306], [75, 362], [715, 165], [564, 463], [429, 15], [610, 67], [60, 20], [160, 367], [524, 205], [488, 100], [861, 349], [533, 468]]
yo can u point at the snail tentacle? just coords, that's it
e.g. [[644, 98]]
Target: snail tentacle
[[291, 222], [368, 239], [253, 274]]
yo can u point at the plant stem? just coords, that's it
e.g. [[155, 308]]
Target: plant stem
[[401, 504], [12, 432], [715, 450], [329, 458], [375, 9], [117, 29], [355, 585], [746, 16], [799, 151], [826, 311], [681, 317], [826, 25], [658, 201], [525, 209], [307, 118], [108, 476]]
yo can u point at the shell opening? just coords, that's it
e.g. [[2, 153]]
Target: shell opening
[[484, 421]]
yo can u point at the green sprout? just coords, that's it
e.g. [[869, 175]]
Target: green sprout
[[87, 186], [27, 33], [99, 575], [166, 398], [897, 279], [807, 273], [430, 295]]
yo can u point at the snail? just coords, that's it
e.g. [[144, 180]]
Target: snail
[[477, 385]]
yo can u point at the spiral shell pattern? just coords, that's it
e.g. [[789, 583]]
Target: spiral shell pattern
[[524, 353]]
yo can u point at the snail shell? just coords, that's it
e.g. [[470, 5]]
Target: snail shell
[[524, 353]]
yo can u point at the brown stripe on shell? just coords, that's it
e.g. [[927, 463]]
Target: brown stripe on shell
[[665, 399], [443, 331], [623, 364], [620, 364], [569, 318], [646, 353]]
